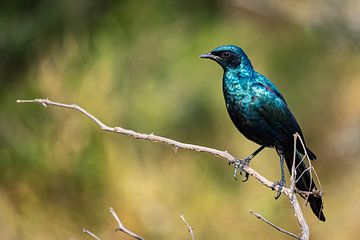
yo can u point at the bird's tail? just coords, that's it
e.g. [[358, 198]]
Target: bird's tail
[[305, 183]]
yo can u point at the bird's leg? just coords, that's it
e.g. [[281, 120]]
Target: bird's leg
[[239, 164], [280, 184]]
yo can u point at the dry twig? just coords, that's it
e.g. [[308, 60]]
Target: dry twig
[[121, 226], [190, 229], [86, 231], [290, 192], [258, 216], [305, 231]]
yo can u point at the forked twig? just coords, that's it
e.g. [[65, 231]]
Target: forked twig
[[305, 231], [121, 226], [310, 169]]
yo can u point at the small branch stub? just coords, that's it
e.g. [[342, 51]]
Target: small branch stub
[[190, 229], [86, 231], [258, 216]]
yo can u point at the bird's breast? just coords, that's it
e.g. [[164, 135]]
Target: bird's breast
[[240, 104], [236, 98]]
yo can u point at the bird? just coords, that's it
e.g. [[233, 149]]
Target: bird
[[261, 114]]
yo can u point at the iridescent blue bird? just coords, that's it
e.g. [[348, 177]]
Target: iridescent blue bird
[[262, 115]]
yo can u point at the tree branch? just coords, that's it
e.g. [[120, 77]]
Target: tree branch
[[154, 138], [289, 192]]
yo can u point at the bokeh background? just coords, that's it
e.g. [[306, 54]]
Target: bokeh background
[[135, 64]]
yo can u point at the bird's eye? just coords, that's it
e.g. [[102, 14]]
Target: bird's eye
[[225, 54]]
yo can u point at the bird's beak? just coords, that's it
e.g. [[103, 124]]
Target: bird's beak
[[209, 55]]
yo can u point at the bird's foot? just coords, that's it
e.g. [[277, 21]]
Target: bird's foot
[[280, 184], [239, 165]]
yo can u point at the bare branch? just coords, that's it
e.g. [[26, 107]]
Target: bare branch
[[86, 231], [121, 226], [258, 216], [154, 138], [290, 192], [190, 229]]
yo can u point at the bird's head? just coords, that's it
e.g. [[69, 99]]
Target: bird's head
[[230, 57]]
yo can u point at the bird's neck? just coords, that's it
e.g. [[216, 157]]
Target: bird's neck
[[238, 76], [236, 83]]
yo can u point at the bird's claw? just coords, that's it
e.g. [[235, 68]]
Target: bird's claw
[[280, 184], [239, 168]]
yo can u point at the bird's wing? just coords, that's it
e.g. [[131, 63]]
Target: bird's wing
[[272, 107], [263, 81]]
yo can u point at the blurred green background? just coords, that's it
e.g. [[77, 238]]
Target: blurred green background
[[135, 64]]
